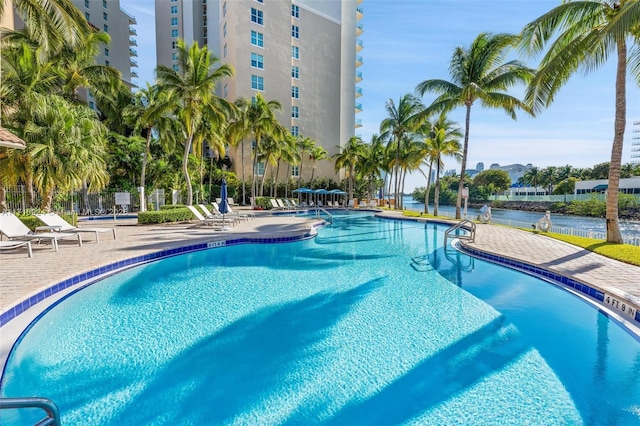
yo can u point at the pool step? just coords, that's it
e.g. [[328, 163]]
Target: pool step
[[421, 264]]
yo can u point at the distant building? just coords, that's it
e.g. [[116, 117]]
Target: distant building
[[516, 171], [472, 172], [627, 186]]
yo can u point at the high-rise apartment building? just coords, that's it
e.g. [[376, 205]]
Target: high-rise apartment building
[[302, 53]]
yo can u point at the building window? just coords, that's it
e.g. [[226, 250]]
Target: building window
[[174, 22], [106, 52], [106, 28], [87, 16], [257, 61], [86, 3], [224, 9], [260, 169], [174, 10], [295, 31], [174, 56], [256, 16], [174, 44], [295, 72], [295, 92], [92, 105], [224, 30], [295, 171], [295, 52], [105, 15], [295, 11], [224, 50], [295, 112], [104, 3], [175, 67], [106, 63], [174, 1], [174, 33], [257, 82], [257, 39], [260, 1], [295, 131]]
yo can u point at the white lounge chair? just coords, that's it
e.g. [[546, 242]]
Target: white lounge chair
[[217, 215], [231, 202], [55, 223], [14, 229], [203, 221], [275, 205], [231, 213], [10, 245]]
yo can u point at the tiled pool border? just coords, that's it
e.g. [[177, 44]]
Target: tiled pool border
[[88, 277]]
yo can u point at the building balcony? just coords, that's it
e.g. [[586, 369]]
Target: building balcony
[[133, 63], [358, 92], [359, 13], [133, 52], [359, 45], [133, 42], [358, 76], [360, 1], [134, 74], [358, 108], [132, 31], [359, 30], [358, 123], [359, 61]]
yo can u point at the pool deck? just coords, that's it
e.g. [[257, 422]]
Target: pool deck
[[22, 277]]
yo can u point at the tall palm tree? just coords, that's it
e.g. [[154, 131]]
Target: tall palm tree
[[318, 153], [257, 119], [372, 165], [401, 120], [349, 156], [581, 35], [443, 141], [305, 146], [479, 74], [192, 89]]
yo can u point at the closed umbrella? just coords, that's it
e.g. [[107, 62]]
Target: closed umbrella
[[9, 140], [224, 204]]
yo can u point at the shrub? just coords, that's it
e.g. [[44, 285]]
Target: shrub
[[263, 202], [172, 206], [162, 216]]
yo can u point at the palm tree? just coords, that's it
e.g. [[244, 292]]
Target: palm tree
[[257, 118], [443, 141], [371, 165], [401, 120], [67, 146], [348, 156], [318, 153], [53, 23], [532, 177], [582, 35], [192, 91], [305, 146], [478, 73]]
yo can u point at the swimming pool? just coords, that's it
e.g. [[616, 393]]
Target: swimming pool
[[371, 322]]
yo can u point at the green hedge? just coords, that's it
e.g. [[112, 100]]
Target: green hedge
[[264, 203], [163, 216], [32, 222], [173, 206]]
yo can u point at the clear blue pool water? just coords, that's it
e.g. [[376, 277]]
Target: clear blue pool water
[[372, 322]]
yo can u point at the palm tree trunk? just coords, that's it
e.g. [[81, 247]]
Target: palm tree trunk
[[85, 196], [397, 172], [313, 170], [286, 187], [3, 198], [463, 165], [613, 225], [436, 195], [143, 172], [264, 176], [185, 169], [276, 178], [426, 195], [254, 155], [31, 198], [244, 198], [351, 181], [47, 200]]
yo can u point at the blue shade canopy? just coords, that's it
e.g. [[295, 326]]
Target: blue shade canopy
[[321, 191], [303, 190], [224, 204], [337, 191]]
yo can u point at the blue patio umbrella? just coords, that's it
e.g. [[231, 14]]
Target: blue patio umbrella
[[224, 204]]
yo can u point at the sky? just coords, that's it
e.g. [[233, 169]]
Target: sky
[[409, 41]]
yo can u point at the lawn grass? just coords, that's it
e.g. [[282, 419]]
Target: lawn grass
[[623, 252]]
